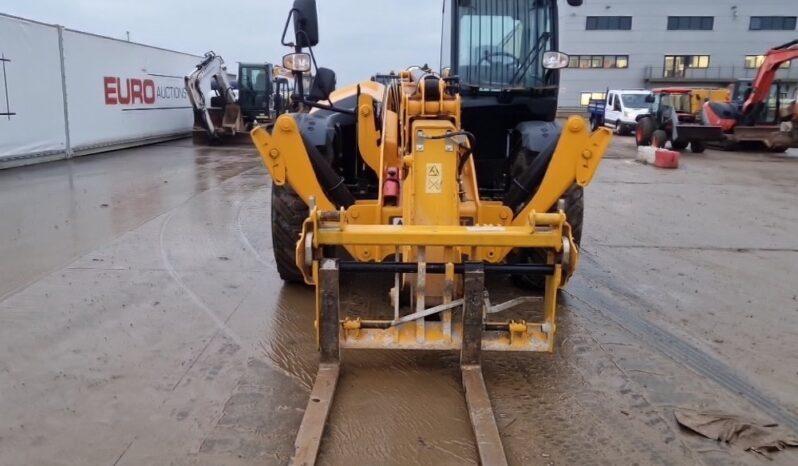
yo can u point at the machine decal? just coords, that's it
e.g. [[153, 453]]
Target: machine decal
[[434, 178]]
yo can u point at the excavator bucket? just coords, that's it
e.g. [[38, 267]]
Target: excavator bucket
[[231, 120]]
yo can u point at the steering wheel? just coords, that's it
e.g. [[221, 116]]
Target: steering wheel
[[489, 55]]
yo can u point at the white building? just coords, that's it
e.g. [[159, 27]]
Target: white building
[[656, 43]]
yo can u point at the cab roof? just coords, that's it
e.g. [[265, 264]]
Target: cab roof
[[672, 90]]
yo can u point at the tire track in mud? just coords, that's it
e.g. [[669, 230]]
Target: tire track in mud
[[621, 311]]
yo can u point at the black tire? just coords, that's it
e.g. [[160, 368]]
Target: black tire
[[645, 127], [288, 213], [697, 147], [659, 138], [679, 145], [594, 124], [778, 149], [574, 213]]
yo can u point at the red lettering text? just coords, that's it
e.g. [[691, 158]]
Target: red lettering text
[[109, 84], [123, 99], [149, 85], [129, 91], [136, 91]]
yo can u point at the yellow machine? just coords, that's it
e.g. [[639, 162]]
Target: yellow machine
[[700, 95], [416, 206]]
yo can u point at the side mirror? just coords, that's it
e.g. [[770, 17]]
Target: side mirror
[[650, 99], [555, 60], [323, 85], [306, 23], [575, 2]]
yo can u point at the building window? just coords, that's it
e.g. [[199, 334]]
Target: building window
[[772, 23], [690, 23], [608, 23], [584, 97], [675, 65], [598, 61], [755, 61]]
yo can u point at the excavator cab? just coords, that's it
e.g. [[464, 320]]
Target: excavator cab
[[256, 91]]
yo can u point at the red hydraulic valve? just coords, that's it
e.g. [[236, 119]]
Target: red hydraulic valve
[[390, 186]]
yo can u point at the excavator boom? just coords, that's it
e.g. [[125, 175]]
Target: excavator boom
[[767, 72], [212, 66]]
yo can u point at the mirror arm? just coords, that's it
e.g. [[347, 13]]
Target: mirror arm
[[327, 107], [285, 29]]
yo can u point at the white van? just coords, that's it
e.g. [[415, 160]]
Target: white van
[[623, 107]]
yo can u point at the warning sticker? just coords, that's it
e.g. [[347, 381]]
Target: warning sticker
[[434, 178]]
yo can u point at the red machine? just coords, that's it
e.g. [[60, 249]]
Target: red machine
[[671, 118], [753, 121]]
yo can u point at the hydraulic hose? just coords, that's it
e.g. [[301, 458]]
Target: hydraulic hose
[[332, 183]]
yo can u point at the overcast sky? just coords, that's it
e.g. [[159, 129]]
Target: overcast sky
[[356, 37]]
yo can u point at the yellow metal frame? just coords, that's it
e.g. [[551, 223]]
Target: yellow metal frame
[[544, 230], [439, 217]]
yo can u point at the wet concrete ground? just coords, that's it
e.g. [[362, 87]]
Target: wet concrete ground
[[142, 322]]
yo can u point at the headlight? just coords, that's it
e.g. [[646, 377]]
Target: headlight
[[297, 62], [554, 60]]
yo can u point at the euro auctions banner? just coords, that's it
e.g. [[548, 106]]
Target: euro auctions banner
[[31, 98], [119, 91]]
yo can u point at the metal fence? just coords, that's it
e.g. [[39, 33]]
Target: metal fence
[[712, 73], [65, 92]]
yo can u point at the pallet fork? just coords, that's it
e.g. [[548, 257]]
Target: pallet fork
[[486, 432]]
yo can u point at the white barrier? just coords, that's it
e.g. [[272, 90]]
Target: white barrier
[[118, 92], [73, 93], [31, 97]]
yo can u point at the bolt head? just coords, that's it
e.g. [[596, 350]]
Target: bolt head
[[576, 125]]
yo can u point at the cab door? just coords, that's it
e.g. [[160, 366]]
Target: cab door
[[611, 113]]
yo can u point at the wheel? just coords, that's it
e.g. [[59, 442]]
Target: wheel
[[659, 138], [697, 147], [623, 129], [679, 145], [594, 124], [288, 213], [778, 149], [645, 126], [574, 213]]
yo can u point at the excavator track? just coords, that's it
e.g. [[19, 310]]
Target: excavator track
[[311, 430]]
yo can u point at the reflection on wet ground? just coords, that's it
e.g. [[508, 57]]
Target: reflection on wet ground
[[155, 330], [54, 212]]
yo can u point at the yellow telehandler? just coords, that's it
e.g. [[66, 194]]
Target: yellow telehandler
[[437, 179]]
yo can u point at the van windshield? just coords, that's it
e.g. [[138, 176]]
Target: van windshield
[[634, 101]]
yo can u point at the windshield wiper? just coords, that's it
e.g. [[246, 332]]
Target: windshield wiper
[[530, 57]]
